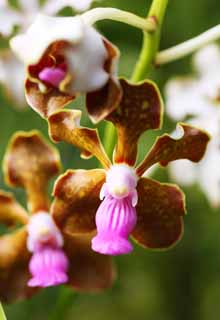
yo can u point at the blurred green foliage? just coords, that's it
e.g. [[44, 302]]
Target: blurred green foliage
[[181, 284]]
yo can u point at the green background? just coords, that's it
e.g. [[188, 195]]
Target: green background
[[183, 283]]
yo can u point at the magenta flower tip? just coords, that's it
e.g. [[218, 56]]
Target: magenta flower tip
[[115, 220], [52, 76], [48, 267], [111, 245]]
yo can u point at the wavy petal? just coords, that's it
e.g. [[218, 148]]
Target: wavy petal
[[140, 110], [77, 200], [30, 162], [65, 126], [187, 142], [159, 212]]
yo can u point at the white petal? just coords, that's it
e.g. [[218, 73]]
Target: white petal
[[8, 18], [183, 98], [31, 45], [209, 175], [86, 61], [12, 74], [52, 7], [29, 6], [183, 172], [207, 59]]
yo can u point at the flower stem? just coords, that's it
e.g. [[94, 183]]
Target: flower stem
[[97, 14], [147, 56], [188, 47], [2, 314], [151, 41]]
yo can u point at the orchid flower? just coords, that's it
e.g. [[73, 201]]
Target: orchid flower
[[198, 97], [65, 56], [118, 201], [35, 253], [10, 66]]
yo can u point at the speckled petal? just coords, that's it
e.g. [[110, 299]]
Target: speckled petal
[[160, 211], [11, 212], [77, 200], [30, 162], [89, 271], [187, 142], [140, 110], [102, 102], [65, 126]]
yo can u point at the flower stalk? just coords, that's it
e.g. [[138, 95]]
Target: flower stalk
[[2, 314], [188, 47], [149, 49], [97, 14]]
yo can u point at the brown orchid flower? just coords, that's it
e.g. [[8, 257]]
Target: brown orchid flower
[[127, 203], [65, 57], [33, 245]]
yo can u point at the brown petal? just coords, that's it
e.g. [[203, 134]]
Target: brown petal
[[14, 273], [65, 126], [102, 102], [11, 212], [140, 110], [30, 162], [45, 103], [88, 271], [77, 200], [190, 144], [160, 209]]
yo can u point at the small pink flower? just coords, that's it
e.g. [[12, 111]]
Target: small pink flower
[[116, 216], [49, 264], [48, 267]]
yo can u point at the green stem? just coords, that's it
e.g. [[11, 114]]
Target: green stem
[[2, 314], [149, 50], [151, 41]]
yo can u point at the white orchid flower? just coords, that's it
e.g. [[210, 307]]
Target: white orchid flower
[[198, 97]]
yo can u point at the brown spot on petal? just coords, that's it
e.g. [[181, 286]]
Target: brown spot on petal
[[45, 103], [102, 102], [160, 209], [11, 212], [77, 200], [140, 110], [191, 145], [30, 162], [88, 271], [65, 126]]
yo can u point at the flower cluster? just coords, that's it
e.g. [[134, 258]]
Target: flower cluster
[[37, 254], [197, 97], [22, 17], [94, 212]]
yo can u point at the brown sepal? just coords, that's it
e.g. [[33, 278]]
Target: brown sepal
[[65, 126], [190, 144], [45, 103], [11, 212], [14, 273], [160, 211], [77, 200], [30, 162], [140, 110]]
